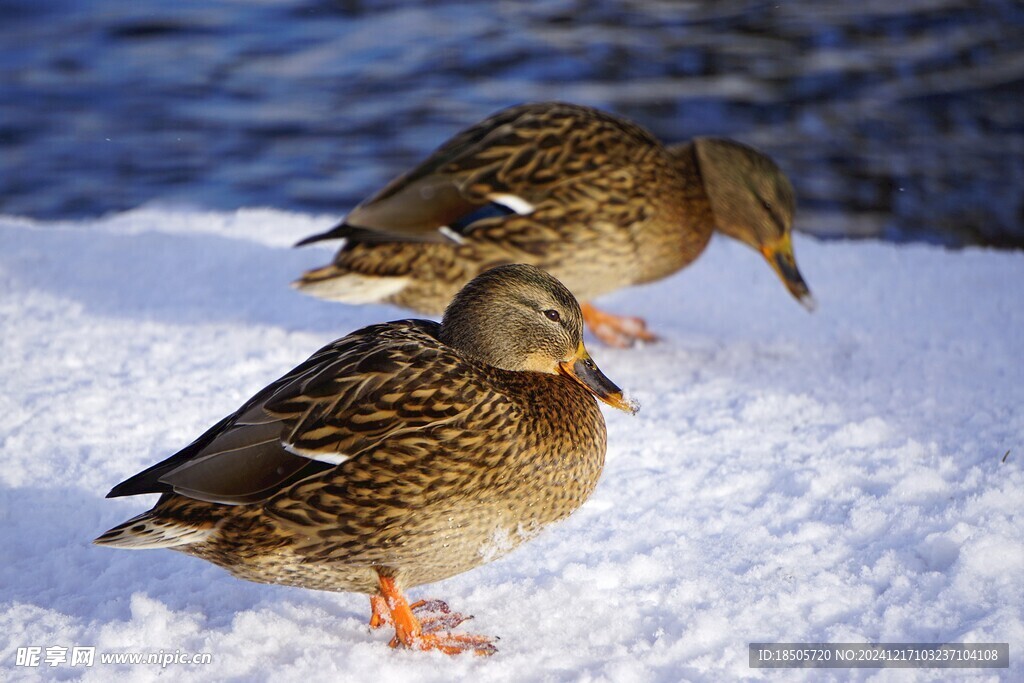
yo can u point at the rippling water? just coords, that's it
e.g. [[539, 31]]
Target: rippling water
[[903, 120]]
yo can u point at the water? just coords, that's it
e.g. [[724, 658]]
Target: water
[[903, 120]]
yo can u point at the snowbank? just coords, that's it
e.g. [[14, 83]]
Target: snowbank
[[791, 477]]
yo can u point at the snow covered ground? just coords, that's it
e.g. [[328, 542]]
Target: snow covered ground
[[790, 477]]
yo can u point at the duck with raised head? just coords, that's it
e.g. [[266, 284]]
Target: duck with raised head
[[399, 455], [590, 197]]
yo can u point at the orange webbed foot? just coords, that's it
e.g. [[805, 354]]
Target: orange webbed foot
[[431, 630], [450, 643], [616, 330], [433, 615]]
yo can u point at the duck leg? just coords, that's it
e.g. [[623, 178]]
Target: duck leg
[[433, 632], [615, 330], [380, 615]]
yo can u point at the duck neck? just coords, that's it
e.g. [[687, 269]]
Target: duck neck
[[687, 221]]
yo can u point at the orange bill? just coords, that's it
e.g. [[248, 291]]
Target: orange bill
[[582, 368], [779, 255]]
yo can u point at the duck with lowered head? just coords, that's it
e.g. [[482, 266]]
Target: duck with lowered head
[[590, 197]]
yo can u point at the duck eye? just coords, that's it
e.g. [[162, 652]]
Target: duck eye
[[767, 205], [552, 315]]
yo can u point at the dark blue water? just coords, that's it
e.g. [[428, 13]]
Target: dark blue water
[[903, 120]]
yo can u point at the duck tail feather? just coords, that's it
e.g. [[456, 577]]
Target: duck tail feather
[[150, 531]]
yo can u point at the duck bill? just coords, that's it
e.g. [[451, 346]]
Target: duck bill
[[584, 370], [779, 255]]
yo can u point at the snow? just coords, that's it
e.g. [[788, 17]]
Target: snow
[[832, 477]]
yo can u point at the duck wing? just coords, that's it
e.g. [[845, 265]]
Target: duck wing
[[378, 382], [516, 159]]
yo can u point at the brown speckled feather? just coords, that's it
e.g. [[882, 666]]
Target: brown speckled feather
[[606, 207], [401, 454], [434, 445], [595, 200], [552, 152]]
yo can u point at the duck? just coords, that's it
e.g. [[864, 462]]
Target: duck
[[399, 455], [591, 197]]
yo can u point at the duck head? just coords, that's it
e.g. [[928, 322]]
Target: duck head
[[753, 201], [518, 317]]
